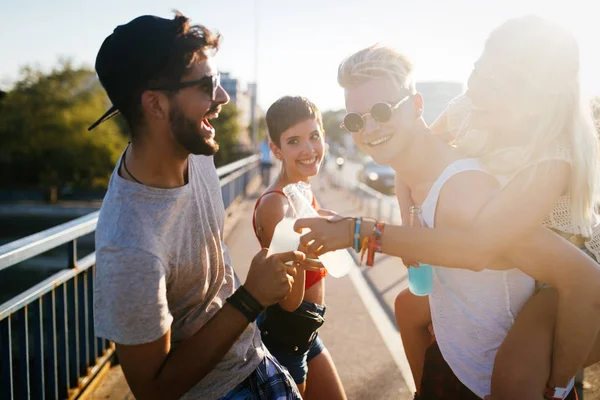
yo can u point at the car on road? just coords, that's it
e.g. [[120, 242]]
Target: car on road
[[378, 177]]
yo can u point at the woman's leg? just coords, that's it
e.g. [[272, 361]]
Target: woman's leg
[[302, 389], [323, 381], [413, 318], [294, 363], [522, 364]]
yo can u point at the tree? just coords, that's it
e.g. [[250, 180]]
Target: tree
[[43, 131], [227, 128]]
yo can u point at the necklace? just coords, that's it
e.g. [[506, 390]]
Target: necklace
[[125, 165]]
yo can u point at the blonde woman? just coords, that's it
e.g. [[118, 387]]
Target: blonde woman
[[527, 127]]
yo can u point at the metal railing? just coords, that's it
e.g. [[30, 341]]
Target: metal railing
[[373, 203], [48, 347], [236, 176]]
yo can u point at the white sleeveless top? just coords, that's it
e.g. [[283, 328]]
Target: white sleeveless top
[[472, 311]]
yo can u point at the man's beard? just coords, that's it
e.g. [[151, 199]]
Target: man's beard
[[188, 135]]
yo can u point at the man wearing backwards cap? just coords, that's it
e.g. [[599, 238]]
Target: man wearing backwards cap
[[165, 291]]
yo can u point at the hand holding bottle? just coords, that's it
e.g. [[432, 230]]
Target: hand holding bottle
[[287, 233]]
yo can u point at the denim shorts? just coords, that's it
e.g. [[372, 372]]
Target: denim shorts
[[268, 381], [296, 362]]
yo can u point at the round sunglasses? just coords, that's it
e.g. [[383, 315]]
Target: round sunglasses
[[380, 112]]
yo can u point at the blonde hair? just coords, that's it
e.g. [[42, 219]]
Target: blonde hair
[[551, 119], [376, 62]]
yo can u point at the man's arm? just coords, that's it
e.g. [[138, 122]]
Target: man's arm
[[456, 243], [155, 371], [498, 219]]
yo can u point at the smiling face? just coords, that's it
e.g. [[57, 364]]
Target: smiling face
[[301, 149], [383, 141], [192, 107]]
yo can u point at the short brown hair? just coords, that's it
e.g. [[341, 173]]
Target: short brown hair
[[286, 112]]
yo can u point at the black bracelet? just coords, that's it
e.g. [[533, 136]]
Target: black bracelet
[[245, 303], [250, 300]]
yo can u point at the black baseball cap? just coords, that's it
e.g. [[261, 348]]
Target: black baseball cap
[[132, 55]]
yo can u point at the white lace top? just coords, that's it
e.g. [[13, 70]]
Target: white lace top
[[560, 217]]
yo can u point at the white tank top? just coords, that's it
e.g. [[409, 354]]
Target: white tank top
[[472, 311]]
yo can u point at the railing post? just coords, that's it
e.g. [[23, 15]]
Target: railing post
[[82, 323], [51, 369], [62, 348], [72, 249], [38, 385], [73, 331], [93, 348], [23, 328], [6, 362]]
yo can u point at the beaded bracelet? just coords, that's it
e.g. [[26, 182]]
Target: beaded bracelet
[[375, 243]]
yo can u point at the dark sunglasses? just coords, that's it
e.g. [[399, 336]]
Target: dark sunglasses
[[209, 84], [380, 112]]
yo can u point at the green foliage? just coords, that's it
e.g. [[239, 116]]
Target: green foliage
[[43, 131], [227, 129]]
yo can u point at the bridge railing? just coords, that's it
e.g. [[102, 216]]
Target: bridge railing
[[377, 205], [48, 347]]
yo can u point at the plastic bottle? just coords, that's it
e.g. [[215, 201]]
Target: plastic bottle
[[285, 239], [420, 280]]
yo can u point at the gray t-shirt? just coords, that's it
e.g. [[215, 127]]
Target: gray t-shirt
[[161, 263]]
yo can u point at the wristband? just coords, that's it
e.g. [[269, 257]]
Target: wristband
[[357, 235], [245, 303], [375, 243], [378, 231]]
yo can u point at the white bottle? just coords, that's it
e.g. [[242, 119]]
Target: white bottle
[[284, 237], [337, 262]]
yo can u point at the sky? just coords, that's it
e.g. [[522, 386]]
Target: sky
[[293, 47]]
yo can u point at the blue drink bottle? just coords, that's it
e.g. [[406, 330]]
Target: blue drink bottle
[[420, 280]]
